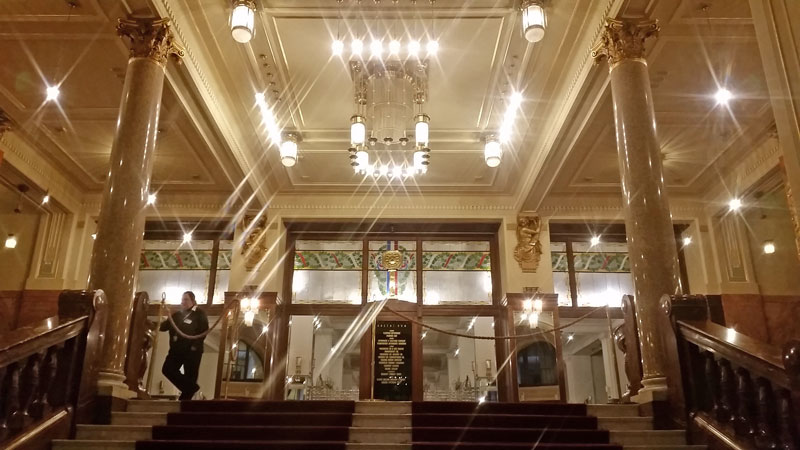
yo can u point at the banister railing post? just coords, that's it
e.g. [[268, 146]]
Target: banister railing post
[[677, 358]]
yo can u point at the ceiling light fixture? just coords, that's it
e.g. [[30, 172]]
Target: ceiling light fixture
[[492, 151], [243, 21], [46, 198], [151, 199], [394, 47], [94, 236], [723, 96], [735, 204], [268, 119], [11, 241], [769, 247], [534, 20], [288, 150], [376, 48], [389, 95], [432, 47], [356, 47], [51, 93], [595, 240], [510, 116], [187, 237], [337, 47], [687, 240], [413, 48]]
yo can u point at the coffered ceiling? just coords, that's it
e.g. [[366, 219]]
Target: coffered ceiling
[[697, 52], [211, 134], [49, 43]]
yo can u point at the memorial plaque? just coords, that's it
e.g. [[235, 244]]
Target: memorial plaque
[[392, 361]]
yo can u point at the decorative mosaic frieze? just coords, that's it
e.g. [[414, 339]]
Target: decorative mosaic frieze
[[328, 260], [409, 260], [592, 262], [183, 260], [456, 261]]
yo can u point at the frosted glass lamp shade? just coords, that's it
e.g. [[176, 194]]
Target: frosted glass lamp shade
[[492, 152], [533, 21], [243, 20], [289, 152], [421, 130], [358, 131]]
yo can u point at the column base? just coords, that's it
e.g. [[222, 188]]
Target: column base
[[111, 384], [653, 390]]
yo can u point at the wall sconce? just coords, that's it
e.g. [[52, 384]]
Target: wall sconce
[[250, 307], [531, 309]]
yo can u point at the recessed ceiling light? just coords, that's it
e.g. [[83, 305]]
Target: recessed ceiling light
[[687, 240], [769, 247], [151, 199], [52, 93], [356, 47], [376, 48], [413, 48], [735, 204], [11, 241], [432, 47], [394, 47], [595, 240], [187, 237], [723, 96], [337, 47]]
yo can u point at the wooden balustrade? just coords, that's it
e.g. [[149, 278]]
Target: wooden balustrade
[[140, 342], [48, 372], [736, 392]]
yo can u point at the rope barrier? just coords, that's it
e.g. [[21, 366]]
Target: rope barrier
[[517, 336], [196, 336]]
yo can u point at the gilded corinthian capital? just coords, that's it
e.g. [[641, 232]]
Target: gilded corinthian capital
[[149, 38], [624, 39]]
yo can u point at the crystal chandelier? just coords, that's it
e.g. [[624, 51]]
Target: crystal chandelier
[[534, 20], [389, 95]]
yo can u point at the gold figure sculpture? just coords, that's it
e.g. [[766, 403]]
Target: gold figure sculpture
[[254, 247], [528, 251]]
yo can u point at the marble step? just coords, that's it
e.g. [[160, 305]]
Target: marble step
[[631, 410], [650, 438], [63, 444], [378, 435], [383, 407], [353, 446], [382, 420], [665, 447], [625, 423], [162, 406], [138, 418], [113, 432]]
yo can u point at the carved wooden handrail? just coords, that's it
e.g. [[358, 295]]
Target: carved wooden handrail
[[45, 372], [737, 392]]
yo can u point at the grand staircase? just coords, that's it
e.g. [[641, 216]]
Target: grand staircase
[[333, 425]]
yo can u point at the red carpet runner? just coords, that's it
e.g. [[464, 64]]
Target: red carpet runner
[[324, 425]]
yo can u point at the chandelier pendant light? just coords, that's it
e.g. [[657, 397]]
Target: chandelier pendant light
[[389, 96], [492, 151], [534, 20], [288, 150], [243, 20]]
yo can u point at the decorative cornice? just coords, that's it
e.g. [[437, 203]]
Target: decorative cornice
[[5, 122], [623, 39], [149, 38], [443, 207]]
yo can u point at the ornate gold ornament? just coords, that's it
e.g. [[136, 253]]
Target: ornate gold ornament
[[5, 122], [392, 259], [792, 207], [149, 38], [528, 251], [624, 39], [254, 247]]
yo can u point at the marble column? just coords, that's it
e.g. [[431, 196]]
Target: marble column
[[120, 226], [648, 223]]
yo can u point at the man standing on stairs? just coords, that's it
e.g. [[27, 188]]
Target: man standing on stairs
[[191, 321]]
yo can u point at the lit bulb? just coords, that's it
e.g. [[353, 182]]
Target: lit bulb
[[538, 305], [187, 237], [413, 48], [260, 98], [249, 317], [52, 93], [516, 100], [687, 240], [356, 47], [769, 247], [11, 241], [151, 199], [384, 170], [245, 303], [394, 47], [533, 320], [595, 240], [723, 96], [432, 47], [45, 199], [337, 47], [397, 172], [94, 235], [376, 48], [527, 304]]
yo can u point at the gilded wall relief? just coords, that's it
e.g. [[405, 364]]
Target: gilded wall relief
[[528, 251], [254, 246]]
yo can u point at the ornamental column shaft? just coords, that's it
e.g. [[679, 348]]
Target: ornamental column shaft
[[648, 222], [120, 226]]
